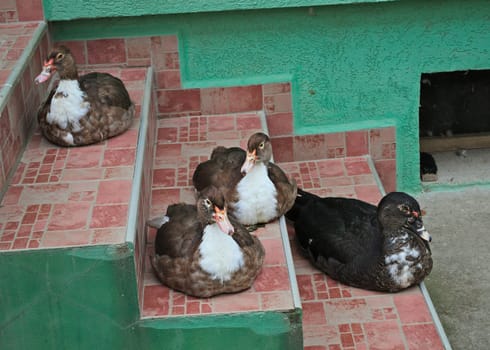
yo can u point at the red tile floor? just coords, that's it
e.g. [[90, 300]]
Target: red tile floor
[[72, 196], [182, 143], [335, 316]]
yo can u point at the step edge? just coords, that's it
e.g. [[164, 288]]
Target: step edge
[[423, 289], [131, 226], [23, 61], [284, 237]]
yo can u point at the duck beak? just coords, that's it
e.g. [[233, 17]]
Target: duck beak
[[48, 70], [249, 162], [419, 226], [221, 218], [422, 232]]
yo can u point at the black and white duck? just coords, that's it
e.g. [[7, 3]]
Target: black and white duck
[[82, 110], [257, 190], [202, 252], [384, 248]]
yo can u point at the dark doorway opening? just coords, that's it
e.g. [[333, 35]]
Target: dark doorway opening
[[454, 120]]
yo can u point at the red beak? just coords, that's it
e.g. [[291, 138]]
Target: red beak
[[221, 218], [249, 162], [48, 70]]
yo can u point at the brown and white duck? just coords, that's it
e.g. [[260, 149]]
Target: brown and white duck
[[202, 252], [82, 110], [384, 248], [257, 190]]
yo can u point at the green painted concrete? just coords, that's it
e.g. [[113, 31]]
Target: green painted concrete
[[86, 298], [446, 187], [56, 10], [76, 298], [351, 66], [266, 331]]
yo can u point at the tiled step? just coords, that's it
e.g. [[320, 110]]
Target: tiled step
[[91, 200], [23, 46], [183, 143], [61, 197], [14, 39], [336, 316]]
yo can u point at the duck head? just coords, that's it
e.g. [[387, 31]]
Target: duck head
[[398, 209], [259, 149], [211, 209], [59, 60]]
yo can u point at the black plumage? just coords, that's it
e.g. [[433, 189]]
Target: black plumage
[[382, 248]]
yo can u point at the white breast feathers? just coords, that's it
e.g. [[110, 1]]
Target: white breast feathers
[[68, 106], [257, 197], [220, 254]]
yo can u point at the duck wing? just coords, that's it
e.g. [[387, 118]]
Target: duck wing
[[241, 235], [253, 258], [222, 170], [53, 133], [338, 228], [286, 190], [181, 235], [106, 89]]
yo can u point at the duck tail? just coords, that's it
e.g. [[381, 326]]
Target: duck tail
[[302, 198], [158, 221]]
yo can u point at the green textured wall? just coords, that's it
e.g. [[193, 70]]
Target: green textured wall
[[56, 10], [85, 298], [351, 66]]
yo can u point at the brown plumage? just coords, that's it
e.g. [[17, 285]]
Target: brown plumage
[[201, 252], [257, 190], [222, 170], [82, 110]]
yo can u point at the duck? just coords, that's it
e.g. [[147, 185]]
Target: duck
[[82, 110], [257, 190], [383, 248], [203, 252]]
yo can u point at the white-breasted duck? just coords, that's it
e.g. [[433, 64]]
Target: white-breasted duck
[[82, 110], [257, 190], [202, 252], [384, 248]]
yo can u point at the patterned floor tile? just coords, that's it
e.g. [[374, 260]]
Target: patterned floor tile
[[182, 144]]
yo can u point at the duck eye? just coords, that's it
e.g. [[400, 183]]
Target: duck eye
[[262, 145], [207, 203], [60, 56], [404, 208]]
